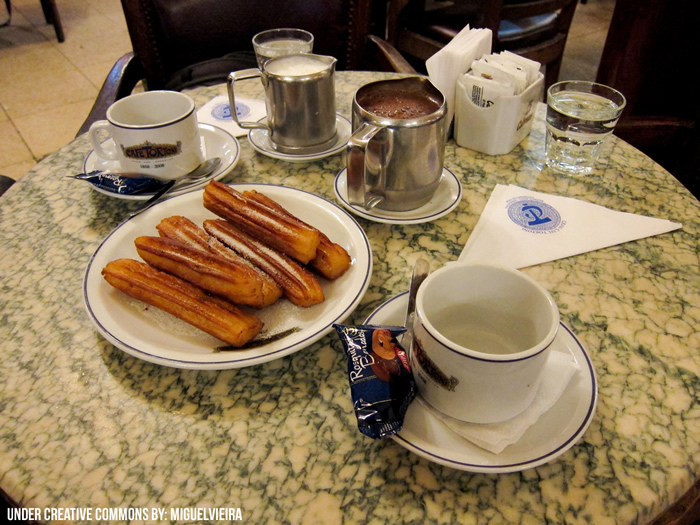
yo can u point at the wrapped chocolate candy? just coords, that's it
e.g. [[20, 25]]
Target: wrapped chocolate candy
[[381, 382]]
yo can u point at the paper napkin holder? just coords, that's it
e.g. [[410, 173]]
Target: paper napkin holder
[[497, 129]]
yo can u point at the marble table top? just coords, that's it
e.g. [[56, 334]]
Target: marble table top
[[85, 425]]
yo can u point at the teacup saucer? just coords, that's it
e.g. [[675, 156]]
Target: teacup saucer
[[260, 140], [216, 142], [446, 199], [555, 432]]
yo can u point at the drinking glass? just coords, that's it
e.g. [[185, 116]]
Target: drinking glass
[[580, 116], [281, 42]]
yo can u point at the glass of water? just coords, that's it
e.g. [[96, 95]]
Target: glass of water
[[580, 116], [281, 42]]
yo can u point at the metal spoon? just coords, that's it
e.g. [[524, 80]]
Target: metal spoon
[[201, 171], [420, 272]]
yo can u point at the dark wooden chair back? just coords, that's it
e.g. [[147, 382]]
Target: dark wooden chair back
[[178, 43], [169, 35], [535, 29], [647, 57]]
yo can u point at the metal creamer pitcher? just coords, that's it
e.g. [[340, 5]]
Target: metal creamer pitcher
[[300, 102]]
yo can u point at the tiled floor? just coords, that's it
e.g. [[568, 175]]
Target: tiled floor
[[47, 88]]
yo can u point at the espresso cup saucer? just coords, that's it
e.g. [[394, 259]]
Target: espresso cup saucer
[[260, 140], [445, 199], [555, 432], [215, 142]]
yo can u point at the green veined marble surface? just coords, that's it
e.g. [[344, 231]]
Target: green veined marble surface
[[86, 425]]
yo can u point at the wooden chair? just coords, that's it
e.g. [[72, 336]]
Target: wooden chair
[[535, 29], [181, 42], [50, 14], [646, 57], [52, 17], [8, 8], [5, 183]]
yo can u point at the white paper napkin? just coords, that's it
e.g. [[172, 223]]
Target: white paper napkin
[[455, 59], [520, 228], [495, 437], [218, 113]]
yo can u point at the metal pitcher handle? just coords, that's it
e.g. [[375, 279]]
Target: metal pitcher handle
[[242, 75], [357, 168]]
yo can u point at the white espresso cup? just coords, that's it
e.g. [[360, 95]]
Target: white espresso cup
[[154, 132], [482, 337]]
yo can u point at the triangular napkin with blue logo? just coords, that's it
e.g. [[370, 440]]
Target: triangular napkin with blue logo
[[521, 228]]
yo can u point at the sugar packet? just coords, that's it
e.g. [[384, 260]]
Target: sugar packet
[[531, 67], [502, 72], [483, 91], [381, 383]]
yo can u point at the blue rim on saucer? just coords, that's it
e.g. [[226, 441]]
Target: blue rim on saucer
[[446, 198], [555, 432], [216, 142]]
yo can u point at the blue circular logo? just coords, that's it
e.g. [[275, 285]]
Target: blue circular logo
[[223, 111], [534, 215]]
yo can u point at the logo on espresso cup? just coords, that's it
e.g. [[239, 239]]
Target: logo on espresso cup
[[431, 369], [148, 150]]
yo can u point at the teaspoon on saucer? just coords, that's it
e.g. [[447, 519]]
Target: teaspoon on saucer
[[201, 171]]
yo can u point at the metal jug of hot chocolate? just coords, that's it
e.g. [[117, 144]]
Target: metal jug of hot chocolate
[[300, 102], [395, 155]]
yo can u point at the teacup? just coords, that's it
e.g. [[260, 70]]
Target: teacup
[[482, 337], [155, 132], [396, 152], [300, 102]]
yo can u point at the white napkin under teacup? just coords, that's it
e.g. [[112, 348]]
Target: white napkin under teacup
[[455, 59], [520, 228], [218, 113], [495, 437]]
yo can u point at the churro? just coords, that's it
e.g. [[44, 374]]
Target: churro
[[280, 231], [331, 261], [300, 286], [235, 281], [183, 230], [214, 316]]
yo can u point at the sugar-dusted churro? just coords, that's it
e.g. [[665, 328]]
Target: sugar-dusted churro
[[300, 286], [183, 230], [331, 261], [236, 282], [214, 316], [280, 231]]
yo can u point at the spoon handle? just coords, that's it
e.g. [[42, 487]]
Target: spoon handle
[[420, 272], [201, 171], [150, 202]]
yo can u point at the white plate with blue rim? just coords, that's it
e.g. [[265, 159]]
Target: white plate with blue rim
[[155, 336], [215, 142], [555, 432]]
